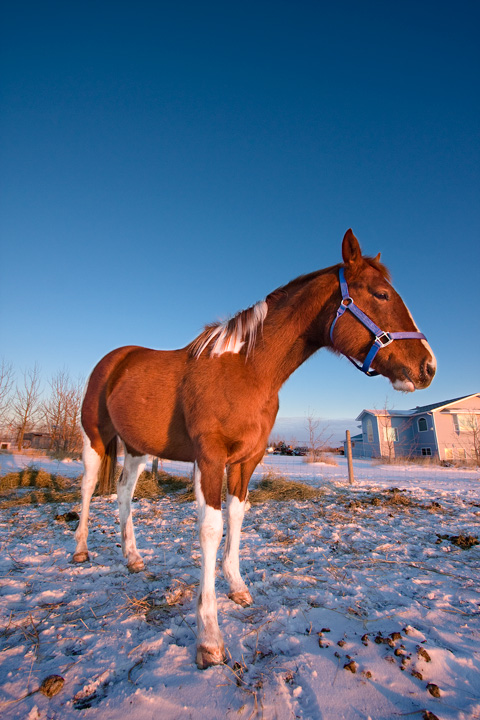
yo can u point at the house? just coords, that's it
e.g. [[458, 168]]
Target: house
[[448, 430], [37, 440]]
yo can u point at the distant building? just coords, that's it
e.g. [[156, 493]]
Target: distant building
[[37, 440], [448, 430]]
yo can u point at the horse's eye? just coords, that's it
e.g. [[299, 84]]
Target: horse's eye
[[381, 295]]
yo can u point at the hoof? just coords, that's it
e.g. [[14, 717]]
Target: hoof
[[206, 657], [136, 566], [80, 557], [241, 597]]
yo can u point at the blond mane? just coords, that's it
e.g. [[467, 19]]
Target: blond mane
[[231, 335]]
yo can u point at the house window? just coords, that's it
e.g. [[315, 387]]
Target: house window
[[369, 431], [390, 434], [465, 423], [455, 454], [422, 424], [427, 451]]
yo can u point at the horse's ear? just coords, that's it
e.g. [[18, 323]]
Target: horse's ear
[[377, 258], [351, 251]]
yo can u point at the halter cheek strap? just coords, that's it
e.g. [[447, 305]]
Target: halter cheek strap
[[382, 338]]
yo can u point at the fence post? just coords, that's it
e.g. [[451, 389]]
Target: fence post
[[155, 467], [349, 458]]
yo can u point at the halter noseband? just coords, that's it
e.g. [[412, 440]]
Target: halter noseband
[[382, 338]]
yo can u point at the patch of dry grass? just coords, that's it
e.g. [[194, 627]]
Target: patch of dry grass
[[281, 489], [147, 486], [33, 486], [39, 486], [32, 477], [151, 486], [393, 497], [322, 458], [173, 483], [42, 487]]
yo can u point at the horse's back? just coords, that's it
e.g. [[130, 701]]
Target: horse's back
[[134, 393]]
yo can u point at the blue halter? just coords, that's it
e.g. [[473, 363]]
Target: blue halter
[[382, 338]]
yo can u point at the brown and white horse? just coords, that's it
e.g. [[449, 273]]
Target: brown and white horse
[[214, 403]]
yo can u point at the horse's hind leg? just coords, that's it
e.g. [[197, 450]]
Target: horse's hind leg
[[125, 487], [91, 462]]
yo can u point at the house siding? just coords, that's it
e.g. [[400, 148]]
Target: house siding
[[443, 437], [449, 439], [370, 448]]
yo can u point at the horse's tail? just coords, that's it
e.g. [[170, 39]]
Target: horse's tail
[[106, 474]]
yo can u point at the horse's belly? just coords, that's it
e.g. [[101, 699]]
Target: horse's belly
[[155, 434], [150, 422]]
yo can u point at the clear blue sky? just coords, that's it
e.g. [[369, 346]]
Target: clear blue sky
[[167, 164]]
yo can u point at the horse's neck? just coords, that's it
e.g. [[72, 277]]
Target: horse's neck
[[294, 329]]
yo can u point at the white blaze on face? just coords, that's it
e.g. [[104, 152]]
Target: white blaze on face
[[433, 360]]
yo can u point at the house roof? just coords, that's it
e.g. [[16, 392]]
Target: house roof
[[420, 409], [356, 438]]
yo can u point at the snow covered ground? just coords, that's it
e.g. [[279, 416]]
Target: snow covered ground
[[364, 574]]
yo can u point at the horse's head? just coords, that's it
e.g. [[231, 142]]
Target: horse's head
[[376, 328]]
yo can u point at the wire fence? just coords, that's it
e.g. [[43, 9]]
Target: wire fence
[[290, 466]]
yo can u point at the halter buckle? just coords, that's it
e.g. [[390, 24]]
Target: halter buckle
[[384, 339], [346, 301]]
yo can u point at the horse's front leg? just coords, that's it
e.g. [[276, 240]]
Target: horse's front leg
[[239, 592], [238, 477], [210, 649]]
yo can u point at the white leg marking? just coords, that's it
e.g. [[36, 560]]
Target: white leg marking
[[91, 463], [210, 525], [231, 562], [132, 469]]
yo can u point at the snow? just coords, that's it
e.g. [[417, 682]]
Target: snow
[[360, 561]]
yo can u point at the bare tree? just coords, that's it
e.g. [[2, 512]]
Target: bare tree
[[6, 385], [318, 439], [391, 444], [390, 436], [61, 412], [26, 403], [475, 437], [467, 435]]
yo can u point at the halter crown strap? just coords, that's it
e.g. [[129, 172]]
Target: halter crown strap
[[382, 338]]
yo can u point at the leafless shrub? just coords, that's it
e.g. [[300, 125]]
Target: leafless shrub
[[25, 406], [318, 439], [6, 385], [61, 414]]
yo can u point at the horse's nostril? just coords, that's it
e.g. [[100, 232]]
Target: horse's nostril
[[430, 369]]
